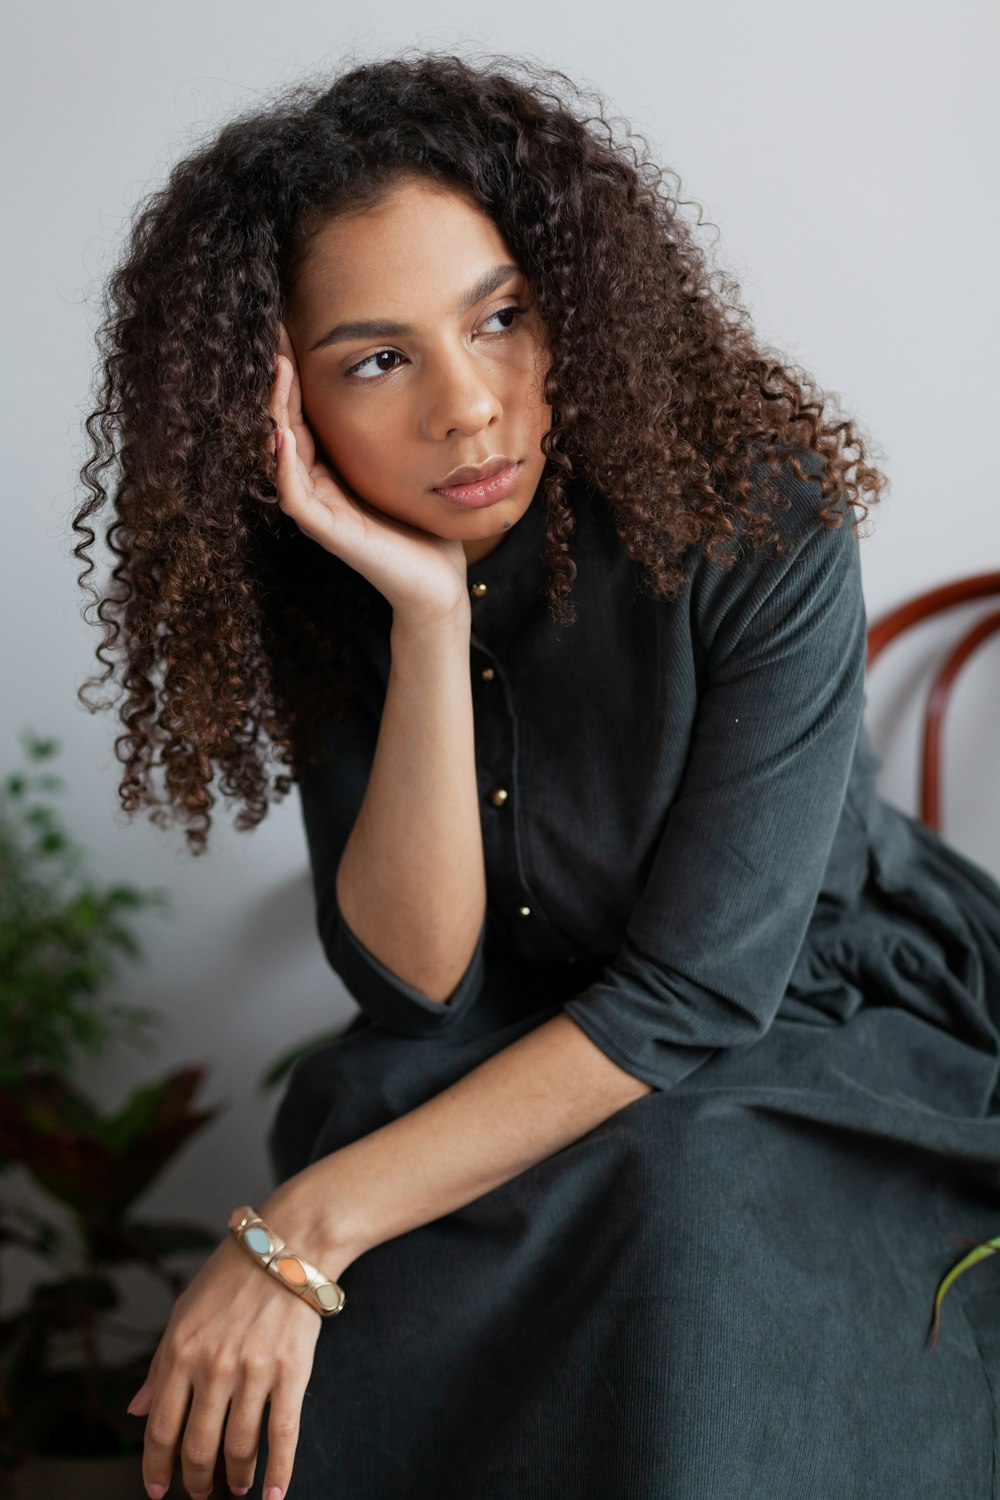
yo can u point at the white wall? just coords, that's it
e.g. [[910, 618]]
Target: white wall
[[845, 152]]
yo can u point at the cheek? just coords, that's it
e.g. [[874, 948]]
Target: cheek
[[364, 461], [346, 435]]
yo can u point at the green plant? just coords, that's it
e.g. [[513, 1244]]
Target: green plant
[[61, 934], [58, 1394]]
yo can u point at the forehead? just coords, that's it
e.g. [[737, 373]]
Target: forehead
[[421, 243]]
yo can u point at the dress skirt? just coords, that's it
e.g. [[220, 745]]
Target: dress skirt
[[725, 1290]]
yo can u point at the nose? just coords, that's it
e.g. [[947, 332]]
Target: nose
[[460, 398]]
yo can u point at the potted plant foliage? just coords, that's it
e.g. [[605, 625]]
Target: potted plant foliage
[[63, 1424]]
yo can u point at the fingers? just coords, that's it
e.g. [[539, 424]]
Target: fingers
[[203, 1406], [163, 1428], [203, 1433], [283, 1431], [243, 1429], [284, 342], [287, 476], [277, 405], [294, 397], [285, 400]]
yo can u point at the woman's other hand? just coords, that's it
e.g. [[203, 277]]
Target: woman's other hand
[[236, 1339], [422, 575]]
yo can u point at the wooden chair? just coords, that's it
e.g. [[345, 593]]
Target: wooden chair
[[922, 607]]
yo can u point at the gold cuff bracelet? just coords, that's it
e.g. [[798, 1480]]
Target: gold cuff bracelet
[[270, 1251]]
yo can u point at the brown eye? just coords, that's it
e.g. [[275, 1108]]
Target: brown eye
[[367, 360], [517, 311]]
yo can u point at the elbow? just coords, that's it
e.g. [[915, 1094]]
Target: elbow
[[386, 997], [432, 963]]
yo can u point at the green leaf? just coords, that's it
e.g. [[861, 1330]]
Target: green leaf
[[39, 749], [986, 1247]]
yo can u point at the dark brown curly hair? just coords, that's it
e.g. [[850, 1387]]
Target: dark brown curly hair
[[222, 614]]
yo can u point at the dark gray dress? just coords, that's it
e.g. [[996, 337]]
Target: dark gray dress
[[725, 1289]]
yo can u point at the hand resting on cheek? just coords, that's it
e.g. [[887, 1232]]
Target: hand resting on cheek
[[420, 574]]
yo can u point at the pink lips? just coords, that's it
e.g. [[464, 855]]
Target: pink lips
[[483, 491]]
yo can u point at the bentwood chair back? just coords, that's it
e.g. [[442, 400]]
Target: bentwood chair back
[[922, 607]]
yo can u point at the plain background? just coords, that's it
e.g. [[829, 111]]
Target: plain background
[[843, 160]]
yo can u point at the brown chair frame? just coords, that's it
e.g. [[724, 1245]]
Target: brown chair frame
[[923, 607]]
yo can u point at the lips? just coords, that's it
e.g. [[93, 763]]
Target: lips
[[472, 475]]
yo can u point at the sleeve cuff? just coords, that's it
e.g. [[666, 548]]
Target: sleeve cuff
[[390, 1001], [660, 1064]]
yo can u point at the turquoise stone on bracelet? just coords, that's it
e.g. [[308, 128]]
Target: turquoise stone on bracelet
[[258, 1240]]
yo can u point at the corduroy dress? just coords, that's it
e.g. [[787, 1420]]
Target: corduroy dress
[[724, 1291]]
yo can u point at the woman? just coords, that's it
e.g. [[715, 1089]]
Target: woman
[[673, 1084]]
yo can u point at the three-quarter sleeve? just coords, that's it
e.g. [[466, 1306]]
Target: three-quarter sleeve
[[331, 795], [711, 943]]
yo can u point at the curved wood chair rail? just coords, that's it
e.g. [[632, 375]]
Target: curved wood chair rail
[[915, 610]]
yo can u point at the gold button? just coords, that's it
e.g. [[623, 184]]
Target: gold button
[[479, 589], [498, 796], [524, 911], [488, 674]]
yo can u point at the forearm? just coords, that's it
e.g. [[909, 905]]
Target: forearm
[[521, 1105], [411, 883]]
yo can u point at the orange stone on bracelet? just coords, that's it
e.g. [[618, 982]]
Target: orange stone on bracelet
[[292, 1271]]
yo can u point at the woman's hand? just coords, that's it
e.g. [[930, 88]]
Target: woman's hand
[[420, 574], [236, 1339]]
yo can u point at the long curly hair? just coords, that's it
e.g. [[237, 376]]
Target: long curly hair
[[225, 621]]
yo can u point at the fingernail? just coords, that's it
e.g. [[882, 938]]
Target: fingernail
[[273, 1493], [244, 1491], [155, 1491]]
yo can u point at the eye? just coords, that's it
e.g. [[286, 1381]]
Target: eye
[[501, 312], [367, 361]]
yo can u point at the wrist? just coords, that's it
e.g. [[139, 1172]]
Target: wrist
[[421, 623], [325, 1236]]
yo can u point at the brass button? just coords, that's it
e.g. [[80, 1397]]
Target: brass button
[[524, 911], [479, 589], [488, 674], [498, 796]]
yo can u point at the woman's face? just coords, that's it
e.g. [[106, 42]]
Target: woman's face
[[456, 383]]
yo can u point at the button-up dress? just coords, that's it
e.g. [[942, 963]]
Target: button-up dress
[[726, 1288]]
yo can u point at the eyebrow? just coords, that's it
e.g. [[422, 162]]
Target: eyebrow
[[378, 328]]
